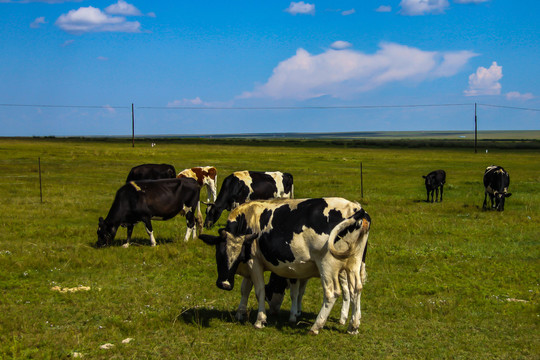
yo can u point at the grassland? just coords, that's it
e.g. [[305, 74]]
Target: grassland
[[446, 280]]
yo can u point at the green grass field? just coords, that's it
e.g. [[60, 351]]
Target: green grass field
[[445, 280]]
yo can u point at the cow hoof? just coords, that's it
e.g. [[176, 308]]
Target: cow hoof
[[125, 245], [239, 316], [313, 332], [342, 321], [292, 319], [352, 331], [258, 325]]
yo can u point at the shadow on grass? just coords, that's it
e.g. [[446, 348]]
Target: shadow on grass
[[202, 317], [137, 241]]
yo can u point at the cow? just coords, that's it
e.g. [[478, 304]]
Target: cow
[[205, 176], [434, 181], [295, 239], [496, 182], [242, 186], [144, 200], [151, 172]]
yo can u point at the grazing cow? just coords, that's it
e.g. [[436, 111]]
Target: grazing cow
[[242, 186], [151, 172], [496, 182], [434, 181], [144, 200], [295, 239], [205, 176]]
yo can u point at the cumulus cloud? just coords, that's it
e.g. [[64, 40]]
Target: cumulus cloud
[[340, 45], [485, 81], [345, 72], [37, 23], [384, 8], [91, 19], [185, 102], [422, 7], [301, 8], [515, 95], [122, 8]]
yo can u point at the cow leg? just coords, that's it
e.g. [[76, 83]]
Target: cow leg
[[150, 231], [436, 194], [427, 191], [355, 287], [301, 291], [295, 292], [128, 238], [346, 298], [257, 276], [484, 205], [330, 294], [190, 224], [245, 290], [441, 191]]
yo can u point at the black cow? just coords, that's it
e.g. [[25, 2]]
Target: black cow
[[144, 200], [434, 181], [295, 239], [242, 186], [496, 182], [151, 172]]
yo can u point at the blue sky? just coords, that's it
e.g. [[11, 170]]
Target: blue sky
[[218, 67]]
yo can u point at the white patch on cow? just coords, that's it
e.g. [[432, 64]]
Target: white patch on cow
[[187, 173], [278, 179]]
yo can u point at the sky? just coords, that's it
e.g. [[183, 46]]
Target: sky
[[76, 68]]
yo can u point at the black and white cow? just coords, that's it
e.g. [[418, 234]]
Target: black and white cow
[[295, 239], [434, 181], [242, 186], [145, 200], [151, 172], [496, 182]]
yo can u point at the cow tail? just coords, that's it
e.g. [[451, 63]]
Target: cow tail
[[358, 217], [199, 218]]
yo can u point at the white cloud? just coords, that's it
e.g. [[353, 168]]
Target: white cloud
[[340, 45], [348, 12], [186, 102], [384, 8], [67, 43], [122, 8], [485, 81], [515, 95], [345, 72], [36, 23], [91, 19], [301, 8], [422, 7]]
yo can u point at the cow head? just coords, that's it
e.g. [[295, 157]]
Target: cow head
[[213, 213], [230, 252], [105, 233], [499, 199]]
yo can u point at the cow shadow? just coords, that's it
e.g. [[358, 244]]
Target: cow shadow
[[135, 241], [202, 317]]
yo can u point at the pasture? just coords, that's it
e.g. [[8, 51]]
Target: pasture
[[445, 280]]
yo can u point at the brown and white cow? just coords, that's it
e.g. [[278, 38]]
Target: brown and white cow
[[295, 239], [205, 176]]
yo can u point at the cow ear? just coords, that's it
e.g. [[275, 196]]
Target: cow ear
[[424, 176], [210, 239], [246, 247], [508, 194]]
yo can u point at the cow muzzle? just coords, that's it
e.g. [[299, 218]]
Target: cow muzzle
[[224, 285]]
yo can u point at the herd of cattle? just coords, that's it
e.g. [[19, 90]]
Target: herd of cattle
[[268, 230]]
